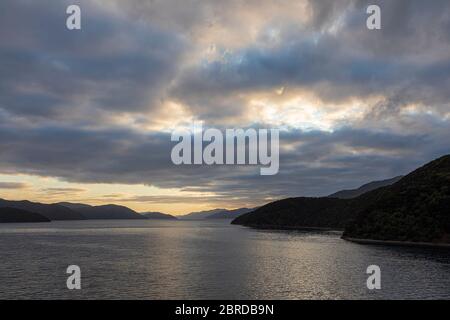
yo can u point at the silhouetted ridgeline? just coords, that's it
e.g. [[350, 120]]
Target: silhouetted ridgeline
[[298, 213], [416, 208], [71, 211], [216, 214], [229, 214], [80, 211], [200, 214], [353, 193], [50, 211], [158, 216], [14, 215], [106, 212], [307, 212]]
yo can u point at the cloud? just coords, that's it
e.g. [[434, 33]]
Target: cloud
[[62, 191], [338, 63], [13, 185], [113, 65]]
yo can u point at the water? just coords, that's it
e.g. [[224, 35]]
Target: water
[[207, 260]]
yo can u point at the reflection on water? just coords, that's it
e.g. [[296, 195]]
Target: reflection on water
[[208, 260]]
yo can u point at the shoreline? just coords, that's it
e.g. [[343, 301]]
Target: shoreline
[[276, 227], [398, 243], [354, 240]]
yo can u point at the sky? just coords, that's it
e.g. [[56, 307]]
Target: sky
[[87, 116]]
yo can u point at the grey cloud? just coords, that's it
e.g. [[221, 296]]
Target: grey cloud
[[407, 61], [112, 64], [13, 185]]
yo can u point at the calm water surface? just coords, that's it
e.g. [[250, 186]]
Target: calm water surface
[[207, 260]]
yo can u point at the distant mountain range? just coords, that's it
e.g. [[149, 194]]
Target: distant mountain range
[[415, 208], [27, 211], [158, 216], [215, 214], [80, 211], [199, 215], [229, 214]]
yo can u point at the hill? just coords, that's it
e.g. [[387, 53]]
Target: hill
[[105, 212], [158, 216], [353, 193], [14, 215], [416, 208], [74, 206], [50, 211], [299, 213]]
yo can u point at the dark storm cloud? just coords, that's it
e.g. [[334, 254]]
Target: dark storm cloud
[[112, 64]]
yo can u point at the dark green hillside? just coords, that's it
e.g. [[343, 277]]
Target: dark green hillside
[[417, 208]]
